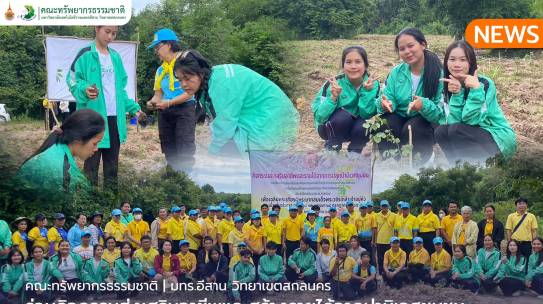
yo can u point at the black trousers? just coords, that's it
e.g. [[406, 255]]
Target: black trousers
[[342, 127], [371, 286], [422, 134], [343, 290], [381, 249], [510, 286], [292, 276], [428, 241], [537, 283], [525, 248], [176, 129], [470, 284], [291, 246], [407, 246], [417, 272], [109, 157], [463, 142], [367, 245], [398, 280], [488, 284]]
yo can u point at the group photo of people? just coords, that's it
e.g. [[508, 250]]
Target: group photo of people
[[357, 248]]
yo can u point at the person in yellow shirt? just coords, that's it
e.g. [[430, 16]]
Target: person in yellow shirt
[[146, 255], [176, 229], [406, 228], [428, 226], [522, 231], [223, 230], [115, 228], [236, 258], [364, 276], [447, 225], [327, 233], [292, 231], [111, 253], [345, 230], [264, 210], [490, 225], [301, 216], [56, 233], [385, 220], [38, 234], [137, 228], [419, 261], [394, 263], [440, 265], [334, 218], [193, 232], [353, 215], [273, 232], [236, 236], [366, 227], [211, 223], [187, 262], [159, 228], [20, 237], [248, 223], [465, 232], [341, 272], [254, 238]]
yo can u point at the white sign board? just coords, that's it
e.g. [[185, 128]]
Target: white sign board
[[61, 52]]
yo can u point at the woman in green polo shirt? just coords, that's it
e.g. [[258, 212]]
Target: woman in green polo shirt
[[97, 80], [411, 98], [52, 166], [474, 127], [345, 101], [249, 111]]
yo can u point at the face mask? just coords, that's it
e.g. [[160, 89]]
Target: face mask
[[137, 216], [441, 215]]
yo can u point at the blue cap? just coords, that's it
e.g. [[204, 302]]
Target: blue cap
[[86, 233], [417, 239], [362, 205], [255, 216], [211, 208], [242, 244], [332, 209], [116, 212], [311, 212], [405, 205], [227, 210], [349, 203], [292, 208], [384, 203], [238, 219], [253, 211], [299, 204], [193, 212], [345, 213], [176, 209], [164, 34], [223, 205], [438, 240], [272, 213], [183, 242], [427, 202], [394, 239], [137, 210]]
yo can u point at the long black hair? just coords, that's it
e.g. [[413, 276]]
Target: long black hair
[[472, 60], [518, 254], [432, 64], [361, 51], [193, 63], [540, 260], [82, 125]]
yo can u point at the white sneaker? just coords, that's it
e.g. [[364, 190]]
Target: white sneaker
[[517, 294]]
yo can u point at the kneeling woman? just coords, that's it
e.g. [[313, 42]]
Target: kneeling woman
[[38, 273], [534, 278], [394, 264], [345, 101], [12, 277], [464, 270], [488, 259], [474, 127], [512, 273], [53, 165], [247, 109], [412, 95], [127, 270]]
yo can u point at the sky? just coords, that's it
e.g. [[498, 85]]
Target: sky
[[138, 5]]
